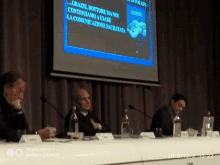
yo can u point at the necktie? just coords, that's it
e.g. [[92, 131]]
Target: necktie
[[88, 117]]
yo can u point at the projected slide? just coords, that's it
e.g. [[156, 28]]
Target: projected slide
[[116, 30], [105, 40]]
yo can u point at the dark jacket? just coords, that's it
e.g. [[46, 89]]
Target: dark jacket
[[85, 124], [163, 119], [11, 123]]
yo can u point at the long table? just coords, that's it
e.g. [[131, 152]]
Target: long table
[[164, 151]]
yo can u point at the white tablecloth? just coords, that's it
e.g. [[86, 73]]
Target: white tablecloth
[[196, 150]]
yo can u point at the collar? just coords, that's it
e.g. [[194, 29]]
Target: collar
[[84, 113]]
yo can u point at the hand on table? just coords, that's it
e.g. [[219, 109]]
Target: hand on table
[[190, 129], [47, 132], [96, 125]]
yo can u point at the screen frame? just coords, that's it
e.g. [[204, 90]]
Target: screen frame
[[49, 35], [104, 55]]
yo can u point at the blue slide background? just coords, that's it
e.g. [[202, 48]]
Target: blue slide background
[[131, 17], [105, 55]]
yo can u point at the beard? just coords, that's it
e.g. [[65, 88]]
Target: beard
[[17, 104]]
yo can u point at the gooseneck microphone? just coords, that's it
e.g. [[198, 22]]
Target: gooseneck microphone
[[63, 134], [45, 100], [132, 107]]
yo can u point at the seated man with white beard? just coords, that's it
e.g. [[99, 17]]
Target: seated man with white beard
[[12, 118]]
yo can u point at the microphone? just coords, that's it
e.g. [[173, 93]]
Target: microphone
[[45, 100], [157, 134], [63, 134], [132, 107]]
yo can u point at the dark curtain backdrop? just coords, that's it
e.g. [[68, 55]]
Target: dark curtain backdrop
[[216, 54], [188, 50]]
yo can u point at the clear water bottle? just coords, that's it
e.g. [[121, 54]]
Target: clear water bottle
[[73, 125], [125, 128], [177, 126], [208, 125]]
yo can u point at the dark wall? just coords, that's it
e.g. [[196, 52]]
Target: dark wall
[[216, 55]]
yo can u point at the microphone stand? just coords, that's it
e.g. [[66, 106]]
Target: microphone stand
[[65, 136], [140, 112], [44, 100], [158, 133]]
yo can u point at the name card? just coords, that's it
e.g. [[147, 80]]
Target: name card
[[147, 135], [215, 133], [30, 139], [184, 134], [104, 136]]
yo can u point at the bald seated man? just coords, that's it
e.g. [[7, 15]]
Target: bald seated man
[[12, 119], [87, 121]]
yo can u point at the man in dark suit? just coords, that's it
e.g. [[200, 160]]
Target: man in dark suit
[[12, 119], [88, 123], [164, 117]]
